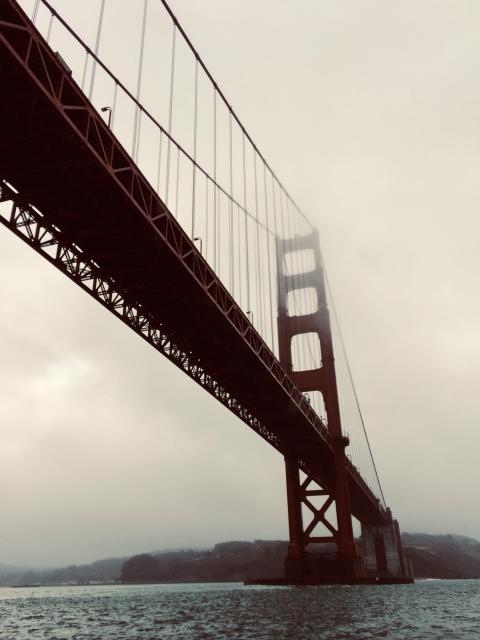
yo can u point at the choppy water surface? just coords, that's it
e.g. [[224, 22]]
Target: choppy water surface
[[444, 610]]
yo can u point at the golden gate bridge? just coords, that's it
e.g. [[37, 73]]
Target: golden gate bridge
[[127, 168]]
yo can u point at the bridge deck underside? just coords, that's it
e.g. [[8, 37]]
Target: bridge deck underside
[[46, 154]]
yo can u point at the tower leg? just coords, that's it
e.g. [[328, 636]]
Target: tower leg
[[346, 544], [296, 547]]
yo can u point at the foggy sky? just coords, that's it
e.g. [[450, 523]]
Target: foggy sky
[[369, 111]]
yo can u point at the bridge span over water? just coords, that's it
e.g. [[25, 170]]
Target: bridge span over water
[[198, 248]]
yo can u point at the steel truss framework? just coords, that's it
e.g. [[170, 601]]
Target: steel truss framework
[[29, 224], [319, 516]]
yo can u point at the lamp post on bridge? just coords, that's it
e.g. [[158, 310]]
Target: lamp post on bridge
[[199, 240], [109, 111]]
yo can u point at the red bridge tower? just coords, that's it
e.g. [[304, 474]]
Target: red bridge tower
[[347, 564]]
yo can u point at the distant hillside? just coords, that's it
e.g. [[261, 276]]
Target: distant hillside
[[107, 570], [10, 574], [226, 561], [445, 556], [6, 569]]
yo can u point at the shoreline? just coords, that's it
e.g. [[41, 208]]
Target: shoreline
[[246, 582]]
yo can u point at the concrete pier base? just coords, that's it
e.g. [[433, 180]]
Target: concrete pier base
[[380, 560], [382, 552], [285, 582], [320, 569]]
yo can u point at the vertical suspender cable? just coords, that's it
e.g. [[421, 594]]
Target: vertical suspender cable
[[305, 339], [230, 221], [159, 165], [301, 294], [177, 180], [138, 114], [307, 342], [282, 225], [170, 112], [240, 254], [35, 11], [275, 230], [258, 269], [84, 74], [114, 106], [289, 265], [214, 178], [247, 265], [194, 147], [305, 296], [206, 217], [298, 288], [268, 253], [220, 195], [50, 28], [97, 46]]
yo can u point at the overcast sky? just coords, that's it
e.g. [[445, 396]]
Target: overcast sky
[[369, 110]]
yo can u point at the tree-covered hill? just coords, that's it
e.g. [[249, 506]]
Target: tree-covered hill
[[442, 556]]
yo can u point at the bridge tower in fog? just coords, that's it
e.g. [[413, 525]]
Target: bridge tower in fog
[[380, 551], [154, 199]]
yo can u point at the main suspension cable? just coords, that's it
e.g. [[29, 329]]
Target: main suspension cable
[[342, 343]]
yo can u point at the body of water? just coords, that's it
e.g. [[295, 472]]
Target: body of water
[[430, 609]]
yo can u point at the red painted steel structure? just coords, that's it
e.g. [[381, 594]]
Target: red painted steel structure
[[79, 200], [323, 380]]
